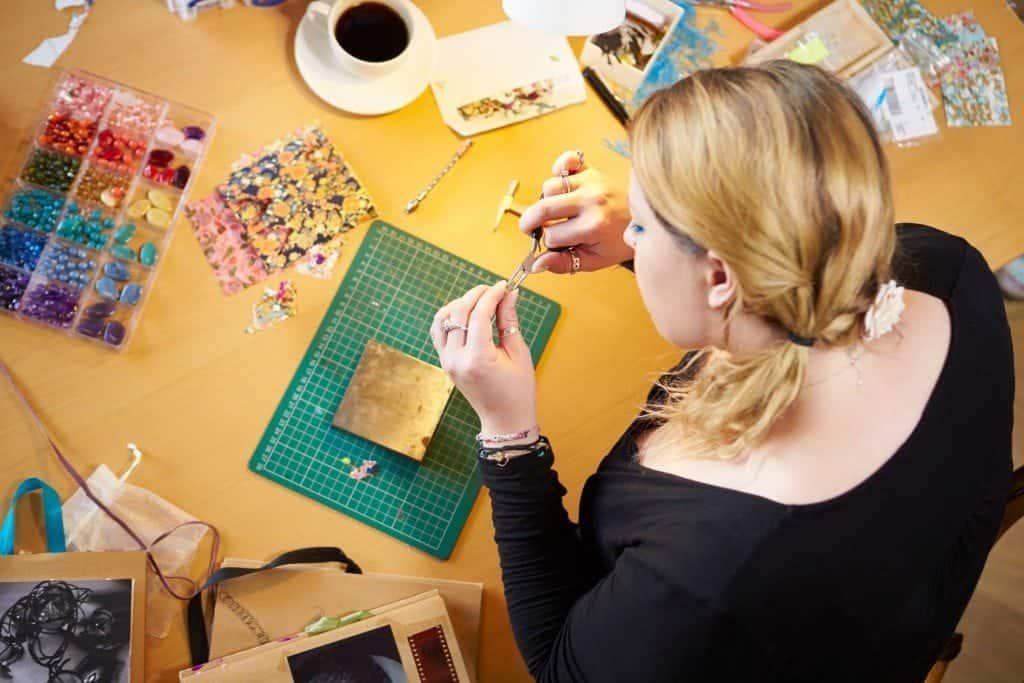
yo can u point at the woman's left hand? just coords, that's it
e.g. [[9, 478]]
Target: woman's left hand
[[498, 381]]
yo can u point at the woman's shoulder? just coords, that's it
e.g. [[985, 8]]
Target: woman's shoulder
[[935, 262]]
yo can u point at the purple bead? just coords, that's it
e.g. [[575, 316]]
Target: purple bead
[[181, 175], [113, 333], [12, 287], [100, 309], [50, 303], [91, 327], [161, 157], [193, 133]]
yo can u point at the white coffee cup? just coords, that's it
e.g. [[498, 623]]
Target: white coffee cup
[[329, 13]]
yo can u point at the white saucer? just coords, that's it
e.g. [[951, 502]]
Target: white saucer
[[360, 95]]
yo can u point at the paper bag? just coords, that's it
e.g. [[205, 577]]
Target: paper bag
[[258, 608], [95, 616], [410, 640]]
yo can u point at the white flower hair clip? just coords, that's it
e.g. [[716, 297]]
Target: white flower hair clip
[[885, 312]]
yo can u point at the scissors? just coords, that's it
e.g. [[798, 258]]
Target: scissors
[[739, 10]]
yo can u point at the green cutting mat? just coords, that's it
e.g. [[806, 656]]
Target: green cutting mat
[[391, 292]]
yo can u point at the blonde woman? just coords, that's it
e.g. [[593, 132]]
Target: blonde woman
[[809, 496]]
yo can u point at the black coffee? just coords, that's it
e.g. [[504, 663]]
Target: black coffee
[[372, 32]]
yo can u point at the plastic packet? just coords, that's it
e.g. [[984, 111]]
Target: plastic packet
[[900, 103], [90, 529], [926, 55]]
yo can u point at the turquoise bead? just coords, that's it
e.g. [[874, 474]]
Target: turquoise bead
[[124, 234], [123, 252], [147, 254]]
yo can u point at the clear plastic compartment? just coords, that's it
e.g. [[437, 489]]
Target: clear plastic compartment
[[69, 263], [59, 234], [103, 321], [33, 207], [154, 205], [21, 247], [50, 302], [101, 186], [138, 242], [49, 169], [13, 283], [88, 225]]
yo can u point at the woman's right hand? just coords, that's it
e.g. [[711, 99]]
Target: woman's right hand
[[595, 215]]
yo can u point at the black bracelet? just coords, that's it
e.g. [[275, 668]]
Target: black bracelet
[[502, 454]]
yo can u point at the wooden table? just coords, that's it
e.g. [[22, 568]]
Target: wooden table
[[195, 392]]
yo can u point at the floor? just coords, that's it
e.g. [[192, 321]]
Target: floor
[[993, 625]]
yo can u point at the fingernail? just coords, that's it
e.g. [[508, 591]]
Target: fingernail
[[501, 285], [538, 268]]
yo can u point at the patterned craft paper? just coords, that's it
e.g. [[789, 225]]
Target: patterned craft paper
[[686, 49], [222, 239], [896, 17], [278, 207], [297, 194], [974, 89]]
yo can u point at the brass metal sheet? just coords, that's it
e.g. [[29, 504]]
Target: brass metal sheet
[[394, 400]]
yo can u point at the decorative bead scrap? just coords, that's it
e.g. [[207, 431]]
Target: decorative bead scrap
[[275, 306]]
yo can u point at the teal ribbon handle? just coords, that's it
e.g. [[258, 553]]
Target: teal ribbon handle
[[51, 514]]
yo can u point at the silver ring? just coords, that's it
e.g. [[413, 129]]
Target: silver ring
[[566, 187], [447, 326], [508, 331], [575, 260]]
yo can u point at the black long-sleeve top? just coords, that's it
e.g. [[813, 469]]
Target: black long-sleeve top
[[669, 579]]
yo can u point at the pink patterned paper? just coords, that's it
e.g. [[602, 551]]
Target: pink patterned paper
[[222, 238]]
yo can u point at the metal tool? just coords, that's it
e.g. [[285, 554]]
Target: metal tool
[[739, 10], [418, 199], [508, 204], [526, 267]]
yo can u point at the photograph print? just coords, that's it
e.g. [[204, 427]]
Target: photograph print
[[66, 631], [370, 657]]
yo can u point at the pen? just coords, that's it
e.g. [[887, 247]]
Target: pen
[[614, 104]]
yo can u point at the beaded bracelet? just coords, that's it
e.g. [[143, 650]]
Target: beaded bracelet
[[504, 438], [501, 455]]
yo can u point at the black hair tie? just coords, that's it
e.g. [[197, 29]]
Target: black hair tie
[[800, 341]]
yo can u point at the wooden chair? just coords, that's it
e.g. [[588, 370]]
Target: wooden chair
[[1014, 511]]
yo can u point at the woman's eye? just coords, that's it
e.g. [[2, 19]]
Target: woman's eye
[[637, 228]]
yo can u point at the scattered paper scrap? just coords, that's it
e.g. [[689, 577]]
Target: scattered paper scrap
[[50, 49]]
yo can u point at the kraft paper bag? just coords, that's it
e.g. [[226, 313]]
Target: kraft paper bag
[[409, 640], [259, 608]]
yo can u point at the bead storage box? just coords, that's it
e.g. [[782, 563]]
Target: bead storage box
[[87, 219]]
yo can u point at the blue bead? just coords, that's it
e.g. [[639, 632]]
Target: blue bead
[[131, 294], [107, 288]]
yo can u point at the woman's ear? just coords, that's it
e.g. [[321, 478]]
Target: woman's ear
[[720, 281]]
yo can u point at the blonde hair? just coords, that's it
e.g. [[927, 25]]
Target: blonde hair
[[778, 170]]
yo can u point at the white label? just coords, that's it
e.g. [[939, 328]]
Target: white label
[[907, 105]]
